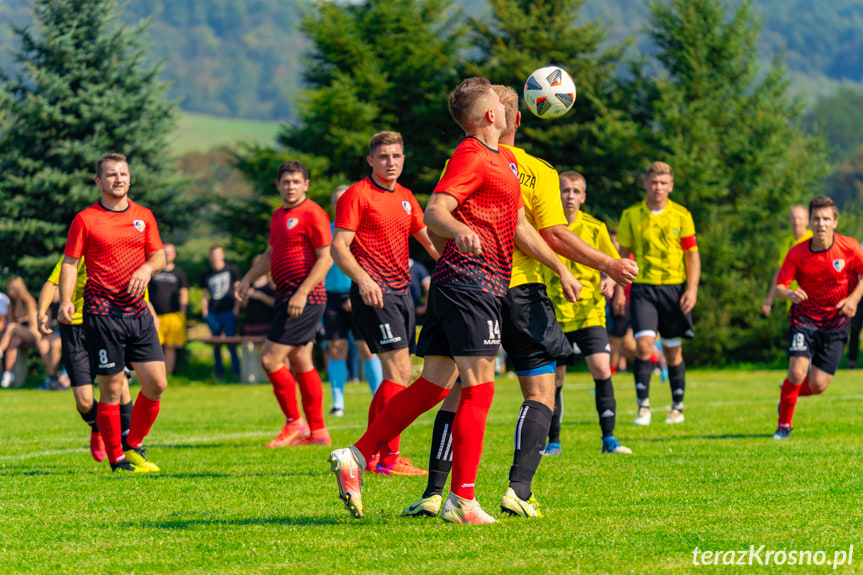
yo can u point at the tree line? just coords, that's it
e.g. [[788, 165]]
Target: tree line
[[702, 103]]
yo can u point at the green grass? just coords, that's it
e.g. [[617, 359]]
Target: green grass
[[198, 132], [224, 503]]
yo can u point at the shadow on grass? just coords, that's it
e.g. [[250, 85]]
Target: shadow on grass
[[712, 437], [193, 523]]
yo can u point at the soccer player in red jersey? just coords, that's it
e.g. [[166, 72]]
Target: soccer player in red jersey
[[121, 243], [375, 219], [477, 207], [298, 254], [828, 269]]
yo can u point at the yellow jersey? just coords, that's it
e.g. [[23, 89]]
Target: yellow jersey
[[785, 246], [540, 189], [589, 310], [78, 294], [658, 242]]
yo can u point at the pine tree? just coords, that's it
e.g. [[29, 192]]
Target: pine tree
[[81, 89], [380, 65], [598, 137], [732, 135]]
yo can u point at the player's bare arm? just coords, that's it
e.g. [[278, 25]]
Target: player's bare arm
[[141, 278], [794, 296], [693, 276], [438, 217], [298, 301], [618, 304], [423, 238], [848, 306], [68, 277], [572, 247], [340, 251], [531, 243], [259, 268], [46, 297]]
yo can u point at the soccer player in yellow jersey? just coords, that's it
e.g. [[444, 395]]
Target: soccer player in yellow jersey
[[77, 361], [798, 219], [583, 322], [529, 331], [661, 235]]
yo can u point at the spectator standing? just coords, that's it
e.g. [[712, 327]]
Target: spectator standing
[[219, 307], [169, 294]]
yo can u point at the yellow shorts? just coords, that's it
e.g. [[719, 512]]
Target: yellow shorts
[[172, 328]]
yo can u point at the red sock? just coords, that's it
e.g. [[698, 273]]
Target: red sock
[[108, 417], [143, 416], [787, 402], [805, 389], [468, 431], [284, 386], [312, 393], [387, 390], [400, 412], [613, 369]]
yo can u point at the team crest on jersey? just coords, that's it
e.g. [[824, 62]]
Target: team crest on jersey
[[676, 231], [139, 225], [839, 265], [514, 168], [407, 206], [292, 223]]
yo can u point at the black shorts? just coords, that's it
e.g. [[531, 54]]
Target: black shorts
[[287, 330], [389, 328], [460, 323], [590, 341], [338, 321], [618, 325], [75, 357], [531, 335], [824, 347], [657, 308], [115, 342]]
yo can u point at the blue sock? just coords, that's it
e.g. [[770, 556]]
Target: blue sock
[[338, 372], [374, 373]]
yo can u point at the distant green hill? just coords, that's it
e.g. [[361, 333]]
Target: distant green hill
[[202, 132], [243, 58]]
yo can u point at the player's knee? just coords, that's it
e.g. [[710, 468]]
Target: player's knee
[[270, 363]]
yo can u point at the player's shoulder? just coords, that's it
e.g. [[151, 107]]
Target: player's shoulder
[[402, 191], [847, 243], [591, 221], [678, 209], [522, 156], [799, 250], [634, 209]]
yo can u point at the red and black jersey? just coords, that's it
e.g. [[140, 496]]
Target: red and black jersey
[[827, 277], [295, 235], [383, 221], [115, 245], [485, 183]]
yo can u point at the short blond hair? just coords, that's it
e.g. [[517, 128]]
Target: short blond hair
[[466, 99], [509, 98], [573, 176], [659, 169], [386, 138]]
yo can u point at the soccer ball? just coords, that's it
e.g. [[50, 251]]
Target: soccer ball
[[549, 92]]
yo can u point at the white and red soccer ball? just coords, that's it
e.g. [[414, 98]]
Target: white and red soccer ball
[[549, 92]]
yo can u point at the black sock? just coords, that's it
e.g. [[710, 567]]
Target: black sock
[[677, 381], [531, 429], [606, 406], [642, 369], [556, 417], [126, 420], [90, 417], [440, 454]]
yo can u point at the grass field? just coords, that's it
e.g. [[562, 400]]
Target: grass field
[[201, 132], [223, 503]]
